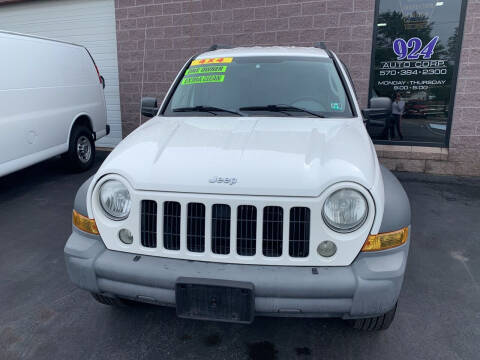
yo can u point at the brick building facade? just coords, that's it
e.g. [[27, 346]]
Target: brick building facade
[[155, 37]]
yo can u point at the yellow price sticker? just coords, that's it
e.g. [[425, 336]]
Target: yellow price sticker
[[224, 60]]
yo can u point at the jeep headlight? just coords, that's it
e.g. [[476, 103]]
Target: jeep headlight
[[345, 210], [115, 199]]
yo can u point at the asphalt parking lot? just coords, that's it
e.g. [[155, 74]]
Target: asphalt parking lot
[[43, 316]]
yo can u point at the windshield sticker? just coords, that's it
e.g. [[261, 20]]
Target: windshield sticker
[[206, 70], [336, 106], [225, 60], [203, 79]]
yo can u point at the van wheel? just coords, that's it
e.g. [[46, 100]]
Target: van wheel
[[105, 300], [81, 150], [381, 322]]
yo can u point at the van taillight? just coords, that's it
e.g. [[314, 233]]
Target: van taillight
[[98, 72], [96, 68]]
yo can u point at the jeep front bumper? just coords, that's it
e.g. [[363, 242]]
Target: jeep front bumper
[[370, 286]]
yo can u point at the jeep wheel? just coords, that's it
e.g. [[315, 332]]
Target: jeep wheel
[[105, 300], [382, 322], [81, 150]]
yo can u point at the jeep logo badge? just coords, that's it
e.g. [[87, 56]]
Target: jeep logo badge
[[221, 180]]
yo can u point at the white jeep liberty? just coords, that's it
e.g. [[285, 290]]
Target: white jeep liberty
[[254, 190]]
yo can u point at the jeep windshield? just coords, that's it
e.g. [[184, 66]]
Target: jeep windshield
[[260, 86]]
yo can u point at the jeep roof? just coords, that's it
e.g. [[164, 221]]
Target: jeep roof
[[264, 51]]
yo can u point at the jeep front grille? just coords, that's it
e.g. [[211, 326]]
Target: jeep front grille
[[272, 231], [196, 227], [221, 229], [171, 225], [212, 229], [299, 232], [246, 230], [149, 223]]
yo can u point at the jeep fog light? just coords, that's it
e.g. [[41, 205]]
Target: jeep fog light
[[327, 248], [84, 223], [125, 236], [386, 241]]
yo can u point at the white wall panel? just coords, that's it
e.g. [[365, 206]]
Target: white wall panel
[[87, 22]]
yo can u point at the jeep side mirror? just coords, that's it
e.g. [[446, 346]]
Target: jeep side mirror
[[149, 106], [380, 109]]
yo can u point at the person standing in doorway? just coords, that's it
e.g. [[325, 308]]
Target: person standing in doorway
[[398, 107]]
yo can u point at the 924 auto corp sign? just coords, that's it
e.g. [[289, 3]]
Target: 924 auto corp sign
[[415, 53], [413, 69]]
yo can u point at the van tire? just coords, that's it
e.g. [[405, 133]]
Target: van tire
[[109, 301], [81, 149], [381, 322]]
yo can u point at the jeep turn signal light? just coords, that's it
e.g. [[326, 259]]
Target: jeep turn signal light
[[84, 223], [386, 241]]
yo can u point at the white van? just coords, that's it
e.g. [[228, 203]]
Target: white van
[[51, 103]]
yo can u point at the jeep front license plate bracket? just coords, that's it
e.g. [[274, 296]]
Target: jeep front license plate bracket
[[218, 300]]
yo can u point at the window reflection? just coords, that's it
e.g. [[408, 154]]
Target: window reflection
[[415, 57]]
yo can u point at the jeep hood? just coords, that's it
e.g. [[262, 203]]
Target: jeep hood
[[284, 156]]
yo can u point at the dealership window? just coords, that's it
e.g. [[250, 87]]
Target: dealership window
[[415, 56]]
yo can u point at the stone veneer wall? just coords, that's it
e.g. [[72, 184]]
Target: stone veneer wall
[[156, 37]]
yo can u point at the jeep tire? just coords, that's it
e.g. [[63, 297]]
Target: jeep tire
[[381, 322], [110, 301]]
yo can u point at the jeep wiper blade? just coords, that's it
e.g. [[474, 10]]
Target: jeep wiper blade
[[201, 108], [278, 108]]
